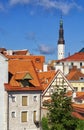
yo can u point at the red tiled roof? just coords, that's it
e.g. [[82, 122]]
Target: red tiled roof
[[77, 115], [80, 97], [21, 75], [74, 74], [78, 107], [46, 78], [8, 87], [20, 52], [20, 66], [75, 57], [78, 94], [37, 60]]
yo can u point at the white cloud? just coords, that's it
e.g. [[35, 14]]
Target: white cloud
[[45, 49], [63, 5]]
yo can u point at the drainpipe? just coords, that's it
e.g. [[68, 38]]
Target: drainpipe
[[7, 111], [40, 113]]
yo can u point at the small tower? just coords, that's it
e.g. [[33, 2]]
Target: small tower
[[61, 42]]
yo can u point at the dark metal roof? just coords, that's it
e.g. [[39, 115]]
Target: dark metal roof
[[82, 50]]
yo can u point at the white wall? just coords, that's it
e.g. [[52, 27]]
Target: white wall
[[61, 51], [3, 94]]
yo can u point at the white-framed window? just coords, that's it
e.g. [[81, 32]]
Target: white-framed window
[[34, 98], [13, 114]]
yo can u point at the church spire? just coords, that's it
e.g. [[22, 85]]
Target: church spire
[[61, 33], [61, 41]]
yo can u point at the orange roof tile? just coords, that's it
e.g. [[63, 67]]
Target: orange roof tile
[[75, 57], [46, 78], [77, 115], [20, 52], [20, 66], [21, 75], [74, 74], [80, 97], [79, 94], [8, 87], [37, 60], [78, 108]]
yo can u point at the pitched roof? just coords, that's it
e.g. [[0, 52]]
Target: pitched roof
[[77, 115], [46, 78], [19, 66], [20, 70], [78, 108], [81, 97], [8, 87], [53, 76], [75, 74], [82, 50], [21, 52], [22, 75], [75, 57], [37, 60]]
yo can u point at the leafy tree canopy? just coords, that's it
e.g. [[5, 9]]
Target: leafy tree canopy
[[60, 109]]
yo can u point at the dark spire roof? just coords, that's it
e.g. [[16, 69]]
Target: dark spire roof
[[61, 33], [82, 50]]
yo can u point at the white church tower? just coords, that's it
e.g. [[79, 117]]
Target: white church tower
[[61, 42]]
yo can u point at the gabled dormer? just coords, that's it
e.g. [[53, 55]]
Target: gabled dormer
[[23, 78]]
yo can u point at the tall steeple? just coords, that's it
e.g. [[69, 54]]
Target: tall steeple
[[61, 41]]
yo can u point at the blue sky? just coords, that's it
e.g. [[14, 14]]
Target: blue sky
[[34, 25]]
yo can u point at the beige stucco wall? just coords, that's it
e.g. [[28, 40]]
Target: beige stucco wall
[[79, 85]]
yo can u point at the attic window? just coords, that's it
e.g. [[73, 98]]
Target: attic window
[[81, 78], [37, 60], [24, 83]]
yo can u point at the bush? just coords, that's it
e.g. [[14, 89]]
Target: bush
[[45, 124]]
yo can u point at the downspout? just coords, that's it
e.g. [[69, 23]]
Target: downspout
[[40, 113], [7, 111]]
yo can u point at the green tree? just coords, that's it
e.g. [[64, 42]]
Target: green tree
[[80, 125], [60, 110], [44, 123]]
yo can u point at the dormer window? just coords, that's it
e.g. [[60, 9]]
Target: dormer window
[[24, 83], [23, 78], [37, 60], [81, 78]]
